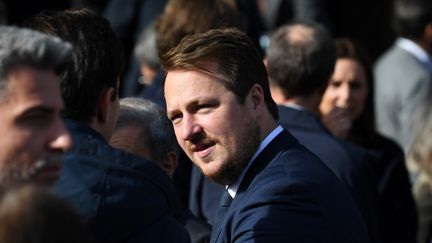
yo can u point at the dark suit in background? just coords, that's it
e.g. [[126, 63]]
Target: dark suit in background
[[350, 163]]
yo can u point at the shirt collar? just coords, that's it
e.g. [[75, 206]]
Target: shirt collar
[[232, 189], [294, 106], [413, 48]]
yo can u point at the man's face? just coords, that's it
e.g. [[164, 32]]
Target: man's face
[[218, 133], [33, 136]]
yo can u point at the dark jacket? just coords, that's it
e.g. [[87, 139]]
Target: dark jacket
[[350, 163], [123, 198], [397, 206]]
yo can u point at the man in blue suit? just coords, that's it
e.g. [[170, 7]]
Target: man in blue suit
[[300, 62], [224, 118]]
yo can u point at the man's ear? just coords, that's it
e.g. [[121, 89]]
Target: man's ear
[[257, 96], [104, 105]]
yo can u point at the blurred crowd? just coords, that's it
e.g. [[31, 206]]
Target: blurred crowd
[[111, 110]]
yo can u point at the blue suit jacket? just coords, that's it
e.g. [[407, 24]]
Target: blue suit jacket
[[350, 163], [289, 195]]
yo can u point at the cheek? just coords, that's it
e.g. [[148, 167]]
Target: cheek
[[328, 101]]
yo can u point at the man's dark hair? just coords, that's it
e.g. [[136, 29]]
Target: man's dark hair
[[238, 61], [301, 58], [97, 58], [411, 17]]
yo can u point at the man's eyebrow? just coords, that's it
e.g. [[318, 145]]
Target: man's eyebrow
[[39, 109]]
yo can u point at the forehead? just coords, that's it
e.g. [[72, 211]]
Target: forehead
[[192, 81], [27, 86], [349, 67]]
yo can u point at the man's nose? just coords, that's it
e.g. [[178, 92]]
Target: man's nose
[[190, 128], [63, 140]]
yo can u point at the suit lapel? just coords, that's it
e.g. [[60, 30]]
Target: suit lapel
[[279, 144]]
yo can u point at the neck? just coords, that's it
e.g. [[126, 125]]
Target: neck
[[267, 127], [309, 103], [101, 128]]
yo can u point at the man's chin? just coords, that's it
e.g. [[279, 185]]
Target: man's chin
[[226, 174]]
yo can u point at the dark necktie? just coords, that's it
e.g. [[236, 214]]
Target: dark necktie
[[225, 202]]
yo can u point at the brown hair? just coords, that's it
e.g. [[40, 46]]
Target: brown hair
[[185, 17], [238, 61]]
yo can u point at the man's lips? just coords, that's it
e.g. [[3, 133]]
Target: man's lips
[[202, 150]]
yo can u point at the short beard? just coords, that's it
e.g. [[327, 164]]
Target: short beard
[[232, 169], [14, 175]]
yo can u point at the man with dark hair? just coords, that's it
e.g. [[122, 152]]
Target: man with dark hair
[[123, 198], [300, 62], [33, 136], [224, 118], [403, 74]]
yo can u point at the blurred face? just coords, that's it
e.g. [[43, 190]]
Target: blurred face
[[218, 133], [33, 136], [348, 89]]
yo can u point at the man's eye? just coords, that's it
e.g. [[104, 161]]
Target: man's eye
[[36, 119], [175, 118], [204, 108]]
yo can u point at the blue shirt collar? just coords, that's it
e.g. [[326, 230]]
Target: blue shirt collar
[[232, 189]]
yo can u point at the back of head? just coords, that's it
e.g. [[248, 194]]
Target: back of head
[[238, 61], [156, 133], [31, 214], [411, 17], [301, 58], [185, 17], [97, 58], [19, 47]]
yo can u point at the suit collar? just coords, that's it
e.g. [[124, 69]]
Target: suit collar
[[232, 189], [300, 119], [279, 144]]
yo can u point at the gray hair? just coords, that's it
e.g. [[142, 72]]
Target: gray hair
[[146, 50], [156, 132], [20, 46]]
